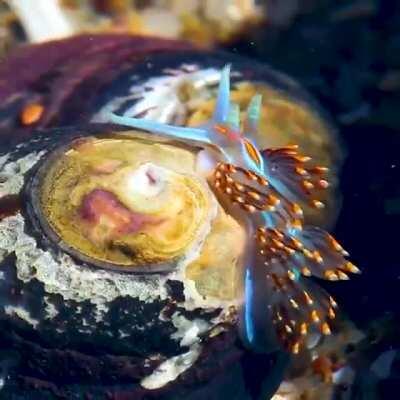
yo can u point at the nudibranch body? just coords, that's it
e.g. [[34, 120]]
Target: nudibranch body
[[266, 190]]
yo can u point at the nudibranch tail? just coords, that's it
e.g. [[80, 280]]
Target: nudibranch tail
[[299, 307]]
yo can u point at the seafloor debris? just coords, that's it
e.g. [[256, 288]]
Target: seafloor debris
[[203, 22], [325, 370], [351, 364], [11, 32]]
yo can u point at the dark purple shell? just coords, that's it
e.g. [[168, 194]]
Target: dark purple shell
[[65, 76]]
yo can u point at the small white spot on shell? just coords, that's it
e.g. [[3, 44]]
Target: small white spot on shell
[[21, 313], [148, 180], [170, 369]]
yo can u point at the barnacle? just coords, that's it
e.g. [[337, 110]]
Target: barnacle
[[133, 204]]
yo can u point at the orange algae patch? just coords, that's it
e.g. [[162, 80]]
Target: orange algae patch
[[31, 113]]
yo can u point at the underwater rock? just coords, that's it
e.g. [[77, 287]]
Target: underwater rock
[[102, 324], [77, 322]]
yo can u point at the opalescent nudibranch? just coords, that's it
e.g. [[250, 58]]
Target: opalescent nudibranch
[[267, 189]]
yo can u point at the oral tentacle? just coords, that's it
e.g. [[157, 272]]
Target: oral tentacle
[[177, 132]]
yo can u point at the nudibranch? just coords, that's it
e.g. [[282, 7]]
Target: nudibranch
[[266, 190]]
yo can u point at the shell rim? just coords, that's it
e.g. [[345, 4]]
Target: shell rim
[[35, 214]]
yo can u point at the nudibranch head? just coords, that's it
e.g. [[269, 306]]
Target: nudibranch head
[[269, 187]]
